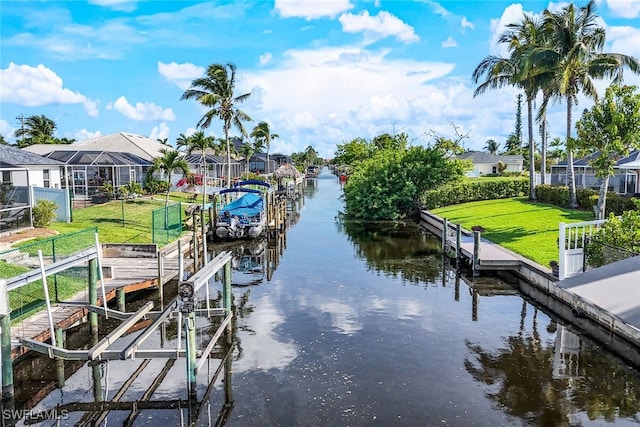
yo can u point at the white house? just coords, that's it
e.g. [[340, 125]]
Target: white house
[[487, 163]]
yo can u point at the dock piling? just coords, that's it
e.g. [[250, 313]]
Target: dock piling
[[476, 252], [5, 343]]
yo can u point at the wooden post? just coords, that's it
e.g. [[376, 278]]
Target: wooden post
[[456, 293], [458, 243], [476, 252], [60, 341], [97, 383], [474, 306], [160, 280], [180, 261], [93, 295], [5, 343], [122, 299], [444, 234], [226, 296], [196, 256], [204, 238]]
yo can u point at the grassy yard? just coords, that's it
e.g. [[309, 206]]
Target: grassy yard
[[529, 229], [118, 221]]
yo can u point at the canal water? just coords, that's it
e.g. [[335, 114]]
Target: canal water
[[352, 324]]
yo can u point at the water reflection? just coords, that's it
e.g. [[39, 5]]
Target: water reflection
[[397, 249], [327, 333]]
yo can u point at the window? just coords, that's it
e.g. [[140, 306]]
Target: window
[[46, 180], [494, 169]]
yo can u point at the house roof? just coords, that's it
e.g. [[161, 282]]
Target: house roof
[[119, 142], [632, 161], [97, 158], [15, 157], [196, 159], [478, 157]]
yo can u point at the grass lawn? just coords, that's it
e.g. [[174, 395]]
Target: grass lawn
[[118, 221], [529, 229]]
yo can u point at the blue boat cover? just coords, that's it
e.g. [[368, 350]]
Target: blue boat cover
[[250, 204]]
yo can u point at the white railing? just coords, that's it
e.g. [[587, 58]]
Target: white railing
[[571, 244]]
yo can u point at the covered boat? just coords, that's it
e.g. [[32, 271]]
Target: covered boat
[[246, 216]]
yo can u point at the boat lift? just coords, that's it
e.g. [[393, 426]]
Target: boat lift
[[183, 307]]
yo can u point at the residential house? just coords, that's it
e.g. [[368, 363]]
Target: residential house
[[118, 158], [21, 173], [626, 179], [487, 163]]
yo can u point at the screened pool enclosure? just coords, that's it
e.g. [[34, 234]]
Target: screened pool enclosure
[[86, 172]]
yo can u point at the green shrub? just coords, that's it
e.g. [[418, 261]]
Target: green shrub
[[618, 238], [44, 212], [473, 190], [587, 198]]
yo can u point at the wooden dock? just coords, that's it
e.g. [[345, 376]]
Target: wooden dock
[[609, 296], [122, 275]]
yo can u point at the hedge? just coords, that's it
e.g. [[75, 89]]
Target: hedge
[[473, 190], [587, 198]]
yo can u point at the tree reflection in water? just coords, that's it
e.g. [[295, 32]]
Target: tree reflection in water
[[548, 383], [395, 248]]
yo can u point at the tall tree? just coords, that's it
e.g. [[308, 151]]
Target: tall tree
[[216, 91], [182, 141], [169, 161], [521, 39], [518, 126], [491, 146], [163, 141], [611, 128], [262, 133], [199, 142], [573, 52], [36, 130]]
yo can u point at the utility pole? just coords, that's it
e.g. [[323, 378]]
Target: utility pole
[[21, 118]]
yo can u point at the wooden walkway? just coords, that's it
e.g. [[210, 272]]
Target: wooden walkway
[[128, 274], [608, 295]]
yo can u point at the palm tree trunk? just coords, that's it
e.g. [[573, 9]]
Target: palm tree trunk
[[226, 137], [543, 150], [532, 151], [571, 178], [204, 178], [267, 165]]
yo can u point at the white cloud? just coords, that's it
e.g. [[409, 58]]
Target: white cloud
[[37, 87], [141, 111], [624, 39], [624, 8], [324, 96], [83, 135], [265, 58], [180, 74], [6, 130], [449, 42], [377, 27], [121, 5], [159, 132], [464, 22], [311, 9]]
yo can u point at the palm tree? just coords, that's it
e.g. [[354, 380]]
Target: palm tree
[[163, 141], [36, 130], [518, 71], [199, 141], [491, 146], [262, 133], [216, 91], [182, 141], [574, 54], [310, 155], [170, 161]]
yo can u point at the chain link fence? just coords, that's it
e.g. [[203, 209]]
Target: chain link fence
[[26, 300], [597, 254], [166, 224]]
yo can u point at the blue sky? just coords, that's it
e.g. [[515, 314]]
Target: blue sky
[[320, 72]]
